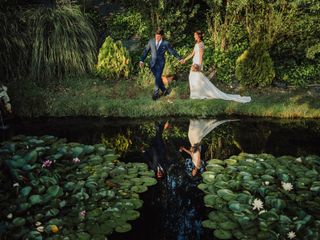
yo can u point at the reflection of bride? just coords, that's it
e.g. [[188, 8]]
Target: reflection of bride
[[198, 129], [200, 85]]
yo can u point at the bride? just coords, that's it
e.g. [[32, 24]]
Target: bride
[[200, 85]]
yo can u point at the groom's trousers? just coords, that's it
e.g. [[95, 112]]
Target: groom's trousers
[[157, 70]]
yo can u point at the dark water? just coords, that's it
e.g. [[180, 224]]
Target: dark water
[[173, 209]]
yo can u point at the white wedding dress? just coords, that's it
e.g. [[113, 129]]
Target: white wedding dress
[[202, 88]]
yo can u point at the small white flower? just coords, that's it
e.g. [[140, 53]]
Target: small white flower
[[287, 186], [298, 159], [267, 183], [257, 204], [40, 229], [291, 235], [38, 224], [9, 216], [16, 185]]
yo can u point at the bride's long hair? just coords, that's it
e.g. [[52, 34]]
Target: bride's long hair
[[200, 34]]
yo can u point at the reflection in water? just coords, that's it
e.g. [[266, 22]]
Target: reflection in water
[[178, 201], [198, 129]]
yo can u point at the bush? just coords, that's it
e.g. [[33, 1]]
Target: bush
[[114, 61], [255, 67], [128, 24], [64, 43], [307, 72]]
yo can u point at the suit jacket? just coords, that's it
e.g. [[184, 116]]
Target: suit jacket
[[158, 56]]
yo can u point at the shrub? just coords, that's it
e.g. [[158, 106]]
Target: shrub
[[255, 67], [64, 43], [126, 25], [307, 72], [114, 61]]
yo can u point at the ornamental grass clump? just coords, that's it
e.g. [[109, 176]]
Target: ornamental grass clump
[[63, 43]]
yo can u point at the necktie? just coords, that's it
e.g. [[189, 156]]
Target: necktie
[[157, 45]]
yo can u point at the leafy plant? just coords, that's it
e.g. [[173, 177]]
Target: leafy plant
[[68, 190], [263, 197], [128, 24], [114, 61]]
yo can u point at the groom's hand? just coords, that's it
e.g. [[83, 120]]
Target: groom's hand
[[141, 64], [182, 61]]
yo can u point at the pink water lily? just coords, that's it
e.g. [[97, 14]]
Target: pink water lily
[[76, 160], [46, 163]]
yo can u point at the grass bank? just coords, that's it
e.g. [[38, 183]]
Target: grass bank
[[94, 97]]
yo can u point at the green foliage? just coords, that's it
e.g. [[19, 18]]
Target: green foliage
[[145, 77], [114, 61], [63, 43], [128, 24], [255, 67], [14, 45], [299, 74], [120, 143], [255, 196], [82, 191]]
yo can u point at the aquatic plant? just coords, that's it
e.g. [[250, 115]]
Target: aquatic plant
[[263, 197], [82, 192]]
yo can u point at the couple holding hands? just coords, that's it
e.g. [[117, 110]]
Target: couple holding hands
[[200, 85]]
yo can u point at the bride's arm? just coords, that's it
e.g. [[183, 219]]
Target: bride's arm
[[190, 56]]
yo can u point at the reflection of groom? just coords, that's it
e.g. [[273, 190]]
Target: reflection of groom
[[158, 48]]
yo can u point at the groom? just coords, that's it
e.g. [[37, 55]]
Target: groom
[[158, 47]]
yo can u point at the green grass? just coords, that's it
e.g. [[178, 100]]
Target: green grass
[[95, 97]]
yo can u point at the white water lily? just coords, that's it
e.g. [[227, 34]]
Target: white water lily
[[291, 235], [16, 185], [267, 183], [287, 186], [298, 159], [257, 204], [38, 224], [9, 216], [40, 229]]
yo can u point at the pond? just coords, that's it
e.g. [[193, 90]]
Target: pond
[[174, 207]]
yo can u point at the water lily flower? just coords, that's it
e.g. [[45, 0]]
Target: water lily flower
[[287, 186], [40, 228], [83, 213], [267, 183], [76, 160], [257, 204], [291, 235], [38, 224], [298, 159], [46, 163], [9, 216], [16, 185]]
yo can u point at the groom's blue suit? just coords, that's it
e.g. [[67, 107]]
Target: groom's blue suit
[[158, 61]]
